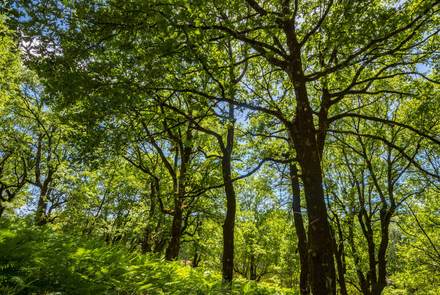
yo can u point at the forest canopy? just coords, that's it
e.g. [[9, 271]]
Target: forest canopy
[[201, 147]]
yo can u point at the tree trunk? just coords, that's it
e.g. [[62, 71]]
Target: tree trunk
[[303, 134], [229, 224], [385, 218], [196, 259], [146, 240], [173, 249], [2, 209], [339, 250], [40, 215], [304, 283], [252, 268], [159, 245], [321, 263], [146, 243]]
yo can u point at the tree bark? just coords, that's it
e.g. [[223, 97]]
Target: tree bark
[[2, 209], [252, 268], [41, 214], [303, 134], [173, 249], [229, 223], [196, 259], [339, 250], [304, 283], [146, 240]]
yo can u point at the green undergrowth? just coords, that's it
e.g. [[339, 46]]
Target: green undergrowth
[[44, 261]]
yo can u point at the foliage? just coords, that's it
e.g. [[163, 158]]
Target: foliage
[[44, 260], [145, 118], [10, 63], [417, 245]]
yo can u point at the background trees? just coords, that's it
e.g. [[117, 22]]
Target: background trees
[[13, 162]]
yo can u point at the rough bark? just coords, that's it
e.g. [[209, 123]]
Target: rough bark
[[303, 134]]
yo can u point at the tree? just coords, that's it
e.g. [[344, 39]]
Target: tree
[[10, 64], [13, 160], [322, 64], [261, 228], [417, 246], [13, 173], [173, 152]]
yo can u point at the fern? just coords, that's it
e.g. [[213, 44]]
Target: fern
[[42, 260]]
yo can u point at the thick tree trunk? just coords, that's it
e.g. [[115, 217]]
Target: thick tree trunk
[[304, 283], [321, 263], [303, 134]]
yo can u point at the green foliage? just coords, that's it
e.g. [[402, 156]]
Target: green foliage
[[10, 64], [417, 245], [335, 85], [43, 260]]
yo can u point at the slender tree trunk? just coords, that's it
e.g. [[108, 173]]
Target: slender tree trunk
[[357, 261], [159, 245], [196, 259], [2, 209], [146, 240], [339, 249], [252, 268], [304, 283], [146, 243], [40, 215], [229, 223], [385, 218], [173, 249]]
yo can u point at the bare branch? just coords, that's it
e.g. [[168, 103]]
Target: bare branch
[[399, 149], [317, 26], [385, 121]]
